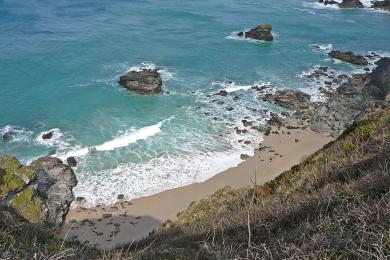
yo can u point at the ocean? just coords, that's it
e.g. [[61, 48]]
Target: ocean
[[60, 62]]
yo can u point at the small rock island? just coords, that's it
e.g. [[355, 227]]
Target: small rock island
[[145, 81], [261, 32]]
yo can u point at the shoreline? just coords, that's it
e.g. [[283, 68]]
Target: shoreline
[[108, 226]]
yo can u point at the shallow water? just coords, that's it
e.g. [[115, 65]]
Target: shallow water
[[60, 62]]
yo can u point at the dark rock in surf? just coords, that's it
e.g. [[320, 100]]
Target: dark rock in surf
[[381, 5], [71, 161], [351, 4], [48, 135], [261, 32], [145, 81], [349, 57]]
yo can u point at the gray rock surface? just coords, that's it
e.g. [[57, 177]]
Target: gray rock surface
[[145, 81], [348, 56], [261, 32]]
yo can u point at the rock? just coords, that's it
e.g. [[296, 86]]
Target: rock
[[71, 161], [47, 135], [352, 99], [275, 120], [382, 5], [261, 32], [107, 215], [267, 131], [349, 57], [290, 99], [222, 93], [41, 192], [120, 197], [6, 137], [145, 81], [351, 4], [244, 156], [286, 114], [54, 184], [246, 123], [326, 2]]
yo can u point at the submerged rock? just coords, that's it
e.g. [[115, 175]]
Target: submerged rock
[[326, 2], [6, 137], [381, 5], [145, 81], [351, 4], [349, 56], [261, 32]]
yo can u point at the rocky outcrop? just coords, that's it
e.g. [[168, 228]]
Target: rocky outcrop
[[47, 135], [326, 2], [41, 192], [261, 32], [348, 56], [359, 95], [71, 161], [290, 99], [382, 5], [145, 81], [351, 4]]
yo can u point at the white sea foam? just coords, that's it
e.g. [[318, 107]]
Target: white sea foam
[[17, 134], [57, 138], [164, 72], [130, 137], [233, 87], [123, 140], [165, 172], [324, 47]]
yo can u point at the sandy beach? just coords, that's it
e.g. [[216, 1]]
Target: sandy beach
[[107, 226]]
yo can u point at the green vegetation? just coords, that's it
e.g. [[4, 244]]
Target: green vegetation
[[22, 240], [28, 206], [13, 176], [335, 204]]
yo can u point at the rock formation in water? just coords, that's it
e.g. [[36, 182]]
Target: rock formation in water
[[382, 5], [360, 94], [348, 56], [145, 81], [261, 32], [351, 4]]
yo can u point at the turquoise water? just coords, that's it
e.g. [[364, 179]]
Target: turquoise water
[[60, 62]]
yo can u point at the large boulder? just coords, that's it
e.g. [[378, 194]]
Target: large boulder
[[379, 84], [382, 5], [54, 184], [351, 4], [41, 192], [349, 56], [145, 81], [290, 99], [261, 32]]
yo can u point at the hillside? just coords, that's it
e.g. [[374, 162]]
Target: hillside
[[334, 204]]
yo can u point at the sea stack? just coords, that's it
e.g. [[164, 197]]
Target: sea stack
[[349, 57], [351, 4], [145, 81], [261, 32]]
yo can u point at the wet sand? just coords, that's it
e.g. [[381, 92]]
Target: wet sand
[[107, 226]]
